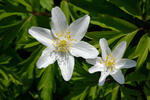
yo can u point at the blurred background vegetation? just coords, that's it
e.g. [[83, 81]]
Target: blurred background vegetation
[[115, 20]]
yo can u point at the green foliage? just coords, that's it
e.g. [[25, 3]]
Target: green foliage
[[47, 83], [115, 20]]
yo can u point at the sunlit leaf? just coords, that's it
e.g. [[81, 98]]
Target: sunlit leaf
[[47, 83], [47, 4]]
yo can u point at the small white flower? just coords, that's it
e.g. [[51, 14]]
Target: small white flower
[[63, 42], [111, 62]]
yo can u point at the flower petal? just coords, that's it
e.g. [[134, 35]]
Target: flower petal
[[59, 22], [66, 64], [118, 76], [118, 52], [103, 78], [42, 35], [94, 61], [79, 27], [125, 63], [104, 48], [84, 49], [48, 57], [96, 68]]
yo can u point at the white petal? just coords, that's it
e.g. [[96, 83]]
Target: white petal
[[66, 64], [48, 57], [119, 51], [84, 49], [42, 35], [79, 27], [118, 76], [125, 63], [104, 48], [102, 78], [59, 22], [94, 61], [91, 61], [96, 68]]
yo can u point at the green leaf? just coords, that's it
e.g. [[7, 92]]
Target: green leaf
[[28, 7], [111, 36], [7, 14], [14, 80], [99, 6], [27, 69], [47, 4], [35, 5], [142, 50], [128, 38], [129, 93], [4, 59], [147, 9], [138, 76], [113, 23], [65, 8], [3, 74], [47, 83], [115, 93], [146, 90], [79, 96], [93, 92], [96, 35], [129, 6], [148, 64], [31, 44]]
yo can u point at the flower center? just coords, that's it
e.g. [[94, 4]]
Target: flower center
[[63, 42], [110, 62]]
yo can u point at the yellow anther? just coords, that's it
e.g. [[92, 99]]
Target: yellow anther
[[65, 44], [68, 33], [110, 62]]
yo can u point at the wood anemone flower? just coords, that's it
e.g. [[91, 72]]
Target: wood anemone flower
[[63, 42], [111, 62]]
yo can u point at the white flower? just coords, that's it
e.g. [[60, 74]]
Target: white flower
[[63, 42], [111, 62]]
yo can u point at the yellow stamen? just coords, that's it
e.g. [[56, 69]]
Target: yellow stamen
[[65, 44], [110, 62]]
